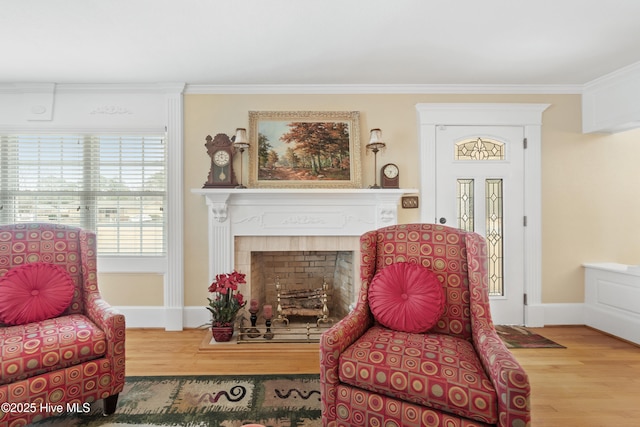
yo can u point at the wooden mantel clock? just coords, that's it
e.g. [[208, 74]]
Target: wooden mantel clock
[[221, 174], [390, 176]]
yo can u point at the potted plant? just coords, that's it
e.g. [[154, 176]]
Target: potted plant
[[224, 304]]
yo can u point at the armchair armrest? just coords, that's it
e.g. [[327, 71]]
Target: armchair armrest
[[507, 375], [344, 333], [97, 309], [332, 343], [113, 325], [106, 318]]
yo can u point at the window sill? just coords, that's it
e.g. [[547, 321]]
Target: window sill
[[138, 264]]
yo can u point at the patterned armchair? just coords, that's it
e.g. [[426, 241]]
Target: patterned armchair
[[458, 373], [65, 361]]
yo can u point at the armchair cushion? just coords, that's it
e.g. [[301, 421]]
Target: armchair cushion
[[34, 292], [49, 345], [432, 370], [406, 297]]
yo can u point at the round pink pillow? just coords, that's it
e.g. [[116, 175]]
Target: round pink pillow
[[406, 297], [34, 292]]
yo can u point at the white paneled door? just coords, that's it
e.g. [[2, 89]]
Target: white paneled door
[[480, 187]]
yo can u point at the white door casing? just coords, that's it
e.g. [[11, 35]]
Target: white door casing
[[527, 116]]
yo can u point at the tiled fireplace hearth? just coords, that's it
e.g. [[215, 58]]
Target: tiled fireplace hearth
[[325, 224]]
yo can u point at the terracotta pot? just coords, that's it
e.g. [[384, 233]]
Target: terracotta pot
[[222, 333]]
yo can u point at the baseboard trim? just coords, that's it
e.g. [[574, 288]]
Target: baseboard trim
[[143, 316], [539, 315], [164, 317], [614, 322], [196, 316]]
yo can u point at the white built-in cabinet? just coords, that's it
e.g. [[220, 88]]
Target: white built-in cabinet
[[612, 299]]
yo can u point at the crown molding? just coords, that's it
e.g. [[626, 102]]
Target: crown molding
[[19, 88], [169, 87], [29, 87], [383, 89], [632, 70], [320, 89], [44, 130]]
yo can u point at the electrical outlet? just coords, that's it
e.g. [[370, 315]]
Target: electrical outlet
[[410, 202]]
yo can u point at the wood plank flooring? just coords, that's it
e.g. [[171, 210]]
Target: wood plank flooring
[[595, 381]]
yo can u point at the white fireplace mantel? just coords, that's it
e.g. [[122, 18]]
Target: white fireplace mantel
[[292, 212]]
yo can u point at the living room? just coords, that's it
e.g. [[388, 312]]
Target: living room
[[588, 173]]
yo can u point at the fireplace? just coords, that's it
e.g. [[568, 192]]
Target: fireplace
[[300, 271], [291, 222]]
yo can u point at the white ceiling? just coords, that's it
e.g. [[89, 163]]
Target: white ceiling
[[317, 42]]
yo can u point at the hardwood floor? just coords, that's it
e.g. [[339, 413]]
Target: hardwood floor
[[157, 352], [595, 381]]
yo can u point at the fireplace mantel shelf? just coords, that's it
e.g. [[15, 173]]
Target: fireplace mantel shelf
[[283, 192], [300, 200]]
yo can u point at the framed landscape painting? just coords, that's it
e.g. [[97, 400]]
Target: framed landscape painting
[[304, 149]]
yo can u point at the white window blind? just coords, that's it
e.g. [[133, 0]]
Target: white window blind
[[112, 184]]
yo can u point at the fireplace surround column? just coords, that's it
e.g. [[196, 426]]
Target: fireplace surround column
[[220, 238]]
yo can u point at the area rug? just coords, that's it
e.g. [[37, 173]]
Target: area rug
[[521, 337], [208, 401]]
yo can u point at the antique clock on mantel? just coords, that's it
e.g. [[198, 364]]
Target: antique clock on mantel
[[221, 174], [390, 176]]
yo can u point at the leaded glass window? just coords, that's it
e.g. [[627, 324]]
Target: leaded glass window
[[479, 149], [494, 231], [494, 235], [465, 204]]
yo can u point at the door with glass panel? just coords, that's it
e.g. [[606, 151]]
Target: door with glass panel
[[480, 187]]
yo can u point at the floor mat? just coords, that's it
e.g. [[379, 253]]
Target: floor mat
[[521, 337]]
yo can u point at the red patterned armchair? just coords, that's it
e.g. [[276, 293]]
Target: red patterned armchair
[[61, 362], [457, 373]]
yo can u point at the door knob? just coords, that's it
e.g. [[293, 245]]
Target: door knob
[[442, 220]]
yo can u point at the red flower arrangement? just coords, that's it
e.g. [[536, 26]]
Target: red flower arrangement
[[226, 300]]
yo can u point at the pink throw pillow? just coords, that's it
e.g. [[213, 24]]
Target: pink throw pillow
[[34, 292], [406, 297]]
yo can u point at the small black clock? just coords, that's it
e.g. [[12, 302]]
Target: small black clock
[[220, 150], [390, 176]]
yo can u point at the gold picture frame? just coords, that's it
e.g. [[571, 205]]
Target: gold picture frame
[[304, 149]]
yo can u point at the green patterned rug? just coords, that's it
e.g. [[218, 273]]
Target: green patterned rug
[[208, 401]]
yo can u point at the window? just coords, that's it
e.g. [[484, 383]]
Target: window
[[494, 231], [479, 149], [112, 184]]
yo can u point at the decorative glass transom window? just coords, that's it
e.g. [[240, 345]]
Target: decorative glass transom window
[[479, 149]]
